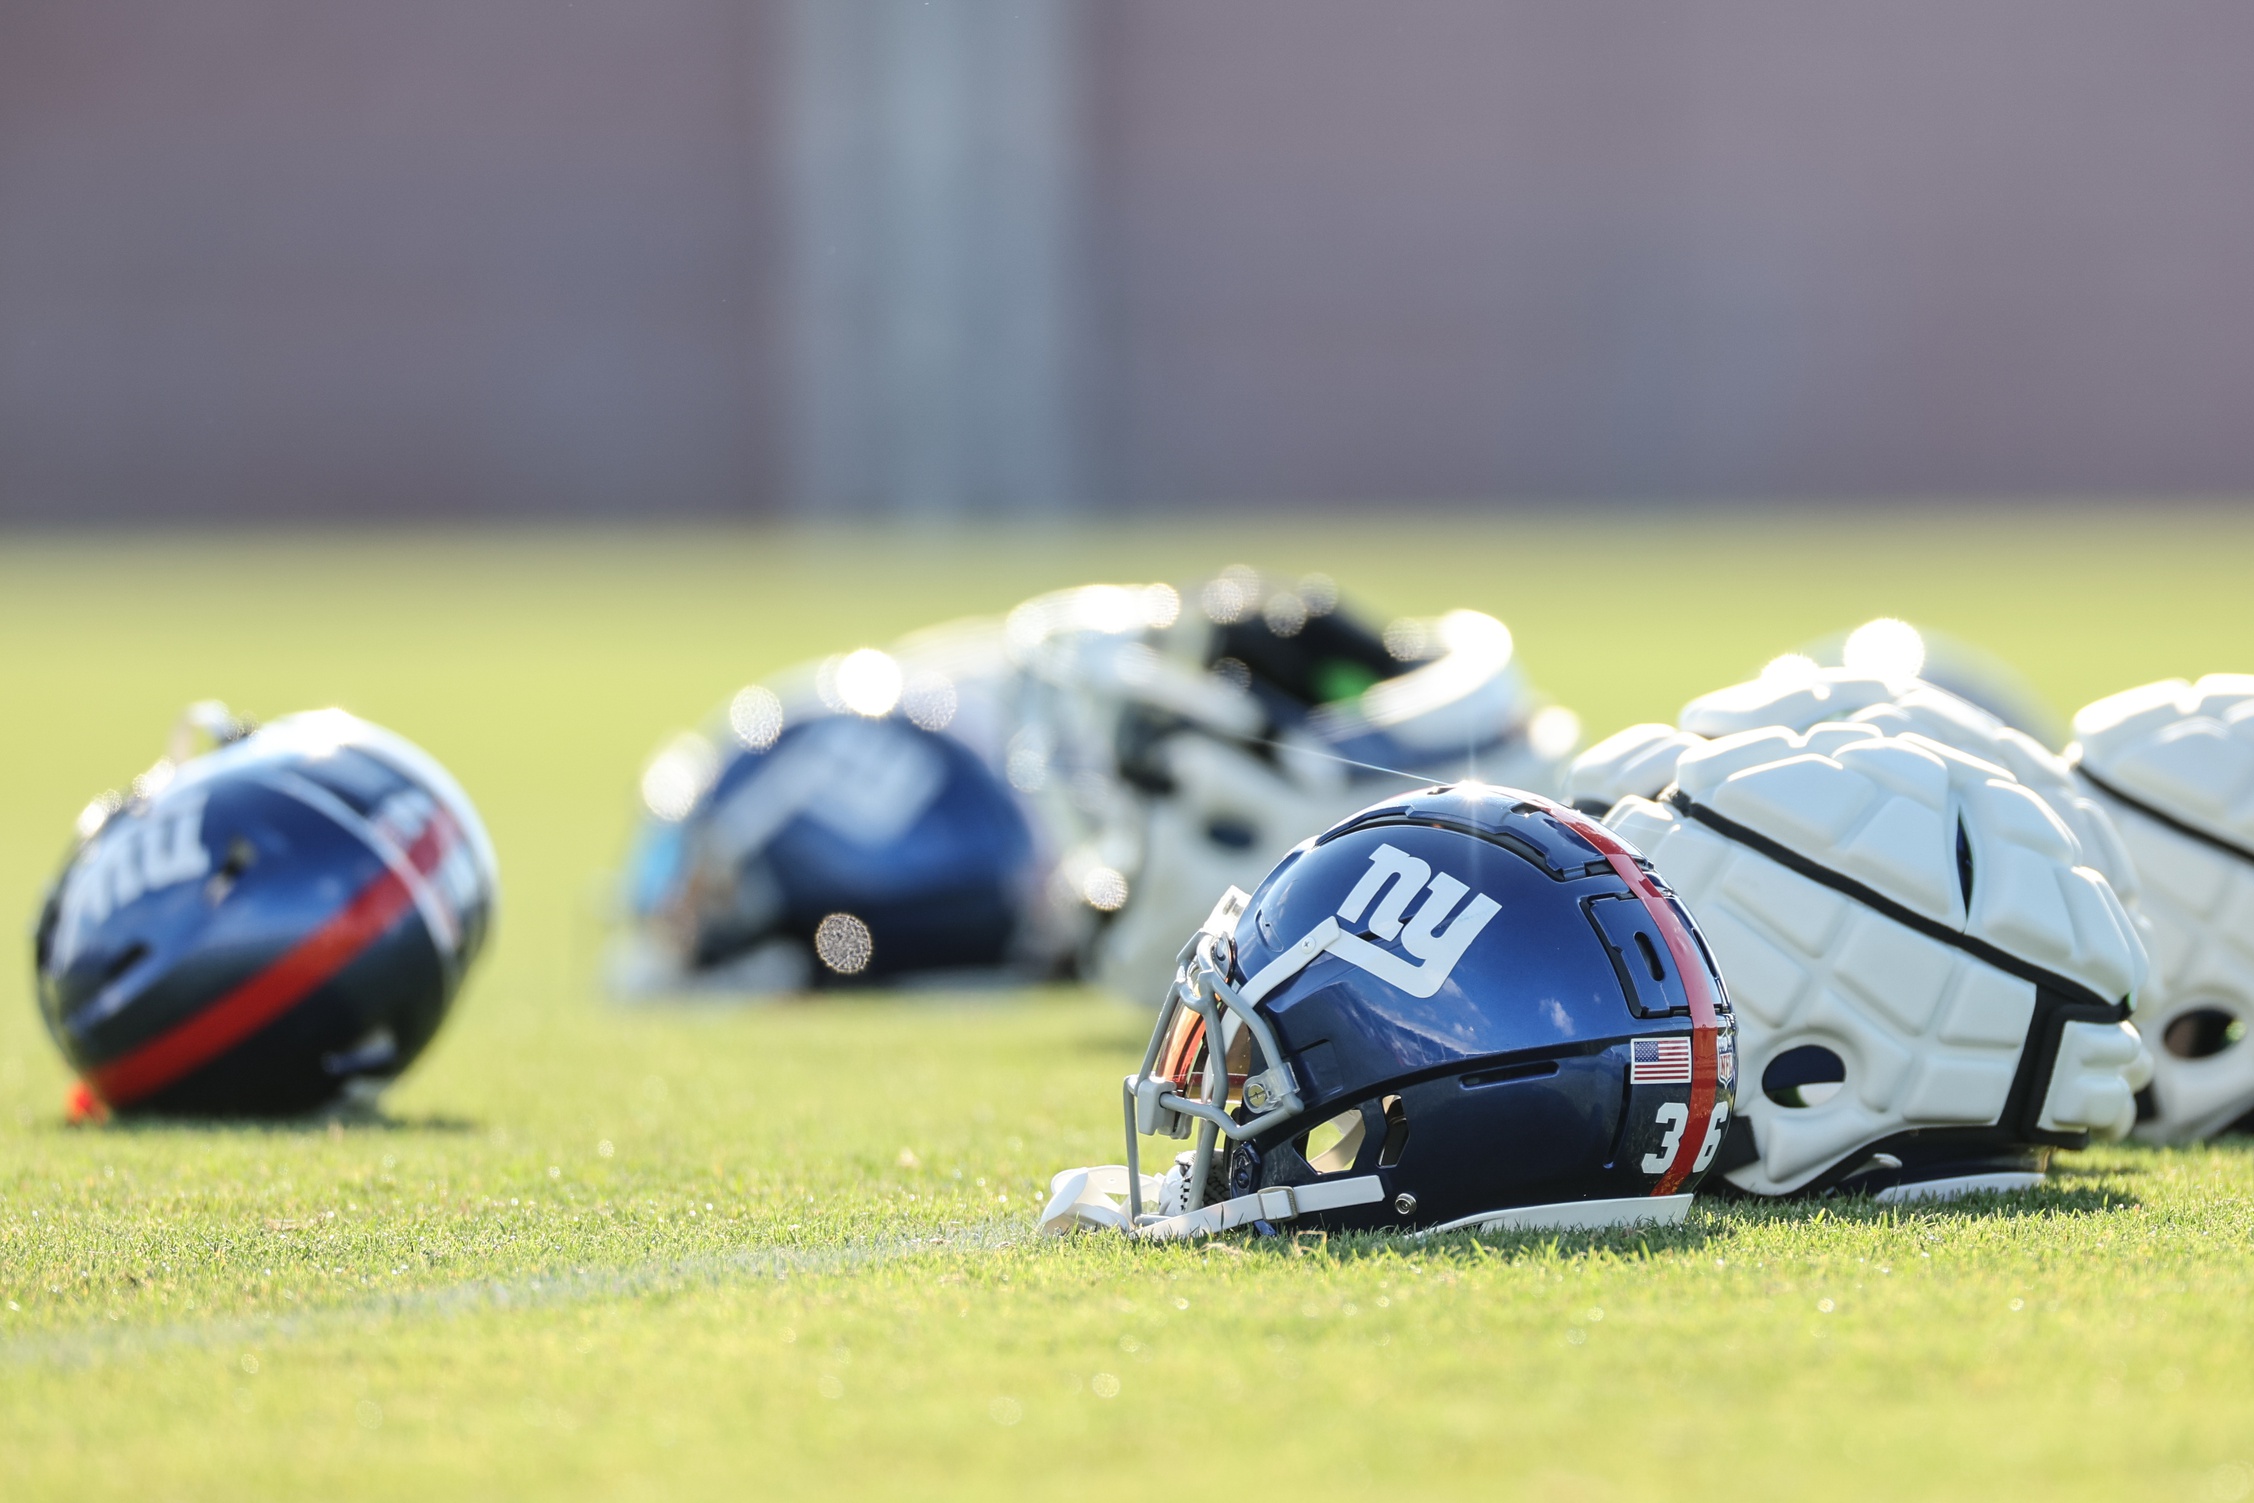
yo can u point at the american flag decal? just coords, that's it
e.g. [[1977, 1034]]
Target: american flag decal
[[1659, 1061]]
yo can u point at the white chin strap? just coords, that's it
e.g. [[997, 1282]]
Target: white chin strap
[[1092, 1198]]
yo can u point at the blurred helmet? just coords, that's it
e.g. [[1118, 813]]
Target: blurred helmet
[[1199, 741], [840, 827], [2174, 765], [1931, 988], [266, 926], [1466, 1007], [1798, 696]]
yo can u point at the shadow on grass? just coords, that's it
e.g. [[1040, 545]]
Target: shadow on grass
[[1624, 1242], [2067, 1193], [2115, 1169], [1715, 1221], [335, 1120]]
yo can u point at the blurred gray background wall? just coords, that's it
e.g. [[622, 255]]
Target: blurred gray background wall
[[632, 258]]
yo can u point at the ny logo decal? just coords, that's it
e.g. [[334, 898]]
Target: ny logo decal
[[1395, 879]]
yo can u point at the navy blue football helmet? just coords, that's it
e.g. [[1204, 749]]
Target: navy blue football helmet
[[267, 927], [818, 849], [1466, 1007]]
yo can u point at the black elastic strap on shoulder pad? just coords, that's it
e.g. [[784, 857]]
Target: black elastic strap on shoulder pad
[[2161, 816], [2066, 987]]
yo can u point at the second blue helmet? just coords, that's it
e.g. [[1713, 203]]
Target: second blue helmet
[[1467, 1007], [848, 825]]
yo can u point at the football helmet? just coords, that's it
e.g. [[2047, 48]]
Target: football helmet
[[846, 824], [1213, 733], [1463, 1008], [266, 926], [2174, 764], [1932, 990], [1797, 695]]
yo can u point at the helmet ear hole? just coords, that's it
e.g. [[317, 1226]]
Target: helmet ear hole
[[2202, 1033], [1651, 956], [1331, 1147], [126, 959], [1396, 1133], [1807, 1076]]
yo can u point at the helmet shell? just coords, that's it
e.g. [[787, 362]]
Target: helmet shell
[[1500, 1071], [867, 821], [286, 917]]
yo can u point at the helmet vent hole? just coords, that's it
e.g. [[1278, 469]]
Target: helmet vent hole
[[2202, 1033], [1538, 1070], [1651, 956], [1396, 1133], [131, 956], [1964, 862], [1332, 1147], [241, 857], [1807, 1076]]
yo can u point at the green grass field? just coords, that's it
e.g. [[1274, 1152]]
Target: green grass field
[[677, 1251]]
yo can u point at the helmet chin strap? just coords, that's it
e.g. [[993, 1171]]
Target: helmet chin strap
[[1276, 1203], [1090, 1198]]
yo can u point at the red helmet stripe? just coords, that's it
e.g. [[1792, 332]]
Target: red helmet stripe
[[1690, 964], [258, 1001]]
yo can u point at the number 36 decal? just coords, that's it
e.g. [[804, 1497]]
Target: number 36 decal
[[1674, 1116]]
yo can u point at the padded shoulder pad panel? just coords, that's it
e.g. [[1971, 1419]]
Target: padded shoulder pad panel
[[1797, 701], [2185, 749], [1635, 763], [1902, 706], [1888, 812], [1925, 1034]]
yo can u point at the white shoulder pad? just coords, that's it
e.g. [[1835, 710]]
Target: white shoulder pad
[[1103, 610], [1702, 768], [2185, 749], [1637, 762], [1474, 689], [1887, 811], [973, 647], [1940, 716], [1896, 706], [1642, 823], [1798, 701], [1107, 640]]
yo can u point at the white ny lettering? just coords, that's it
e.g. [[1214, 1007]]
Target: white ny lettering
[[1401, 877]]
